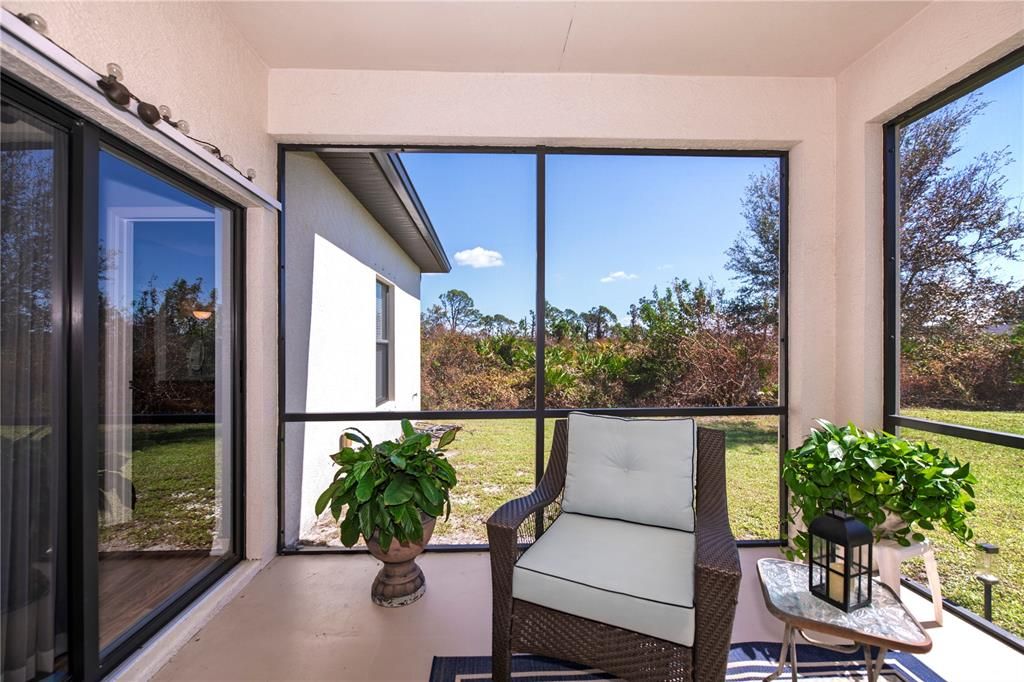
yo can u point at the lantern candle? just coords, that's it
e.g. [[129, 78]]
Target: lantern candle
[[835, 581]]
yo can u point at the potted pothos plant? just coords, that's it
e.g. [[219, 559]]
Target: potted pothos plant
[[391, 495], [897, 487]]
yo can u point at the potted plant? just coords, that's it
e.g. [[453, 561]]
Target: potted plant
[[393, 493], [895, 486]]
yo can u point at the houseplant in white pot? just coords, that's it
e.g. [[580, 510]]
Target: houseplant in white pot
[[391, 494], [897, 487]]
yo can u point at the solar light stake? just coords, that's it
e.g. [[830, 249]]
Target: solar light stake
[[985, 574]]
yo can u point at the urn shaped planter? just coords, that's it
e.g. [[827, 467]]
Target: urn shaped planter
[[400, 581], [391, 495]]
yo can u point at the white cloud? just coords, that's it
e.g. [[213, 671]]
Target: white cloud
[[479, 257], [617, 276]]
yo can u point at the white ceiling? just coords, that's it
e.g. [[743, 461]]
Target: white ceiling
[[727, 38]]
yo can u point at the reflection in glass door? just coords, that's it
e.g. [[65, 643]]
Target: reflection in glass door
[[33, 177], [165, 398]]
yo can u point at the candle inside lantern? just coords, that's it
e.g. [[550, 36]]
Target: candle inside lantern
[[835, 581]]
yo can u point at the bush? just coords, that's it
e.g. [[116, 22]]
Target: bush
[[456, 376], [983, 372]]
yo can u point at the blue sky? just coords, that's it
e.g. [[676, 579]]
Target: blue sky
[[1000, 125], [162, 249], [619, 225], [616, 225]]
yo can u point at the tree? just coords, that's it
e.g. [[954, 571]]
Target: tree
[[528, 325], [433, 319], [562, 324], [496, 324], [27, 238], [954, 221], [173, 351], [458, 312], [754, 255], [598, 322]]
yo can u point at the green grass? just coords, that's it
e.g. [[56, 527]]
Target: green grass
[[752, 474], [999, 518], [494, 461], [173, 474]]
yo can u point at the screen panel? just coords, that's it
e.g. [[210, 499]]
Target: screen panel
[[663, 281]]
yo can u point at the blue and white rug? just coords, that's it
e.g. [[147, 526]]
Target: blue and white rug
[[748, 662]]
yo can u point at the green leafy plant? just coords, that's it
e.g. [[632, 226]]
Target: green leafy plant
[[385, 486], [874, 476]]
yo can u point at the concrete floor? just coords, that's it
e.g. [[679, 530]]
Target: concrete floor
[[310, 618]]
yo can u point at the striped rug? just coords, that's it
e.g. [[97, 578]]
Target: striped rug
[[748, 662]]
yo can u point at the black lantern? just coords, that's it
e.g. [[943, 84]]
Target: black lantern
[[839, 560]]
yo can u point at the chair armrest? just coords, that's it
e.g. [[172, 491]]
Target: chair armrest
[[718, 572], [716, 592], [716, 548], [503, 534], [503, 525], [511, 515]]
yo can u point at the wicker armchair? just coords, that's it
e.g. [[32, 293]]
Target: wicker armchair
[[527, 627]]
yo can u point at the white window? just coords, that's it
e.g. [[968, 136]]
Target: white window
[[383, 377]]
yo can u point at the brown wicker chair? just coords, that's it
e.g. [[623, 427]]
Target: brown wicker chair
[[529, 628]]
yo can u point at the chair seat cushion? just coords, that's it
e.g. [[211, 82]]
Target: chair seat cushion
[[629, 575]]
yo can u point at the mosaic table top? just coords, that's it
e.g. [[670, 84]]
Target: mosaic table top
[[885, 622]]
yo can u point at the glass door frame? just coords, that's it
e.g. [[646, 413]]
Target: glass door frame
[[79, 320]]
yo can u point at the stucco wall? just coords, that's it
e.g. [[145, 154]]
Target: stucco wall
[[187, 56], [941, 45], [335, 253], [796, 114]]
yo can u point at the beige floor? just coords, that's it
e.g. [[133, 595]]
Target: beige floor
[[310, 618]]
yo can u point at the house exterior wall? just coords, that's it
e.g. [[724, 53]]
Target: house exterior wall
[[336, 252], [940, 46], [795, 114]]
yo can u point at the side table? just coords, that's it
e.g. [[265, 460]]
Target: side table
[[885, 623]]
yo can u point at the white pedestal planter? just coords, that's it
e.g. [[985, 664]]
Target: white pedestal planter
[[889, 556]]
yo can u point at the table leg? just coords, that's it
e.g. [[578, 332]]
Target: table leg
[[787, 638], [874, 667], [792, 657]]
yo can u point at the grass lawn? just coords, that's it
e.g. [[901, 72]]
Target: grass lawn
[[999, 518], [172, 471]]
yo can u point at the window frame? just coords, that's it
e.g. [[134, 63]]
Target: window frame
[[80, 317], [892, 420], [387, 341], [539, 412]]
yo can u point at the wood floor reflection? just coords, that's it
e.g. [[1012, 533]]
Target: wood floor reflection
[[133, 583]]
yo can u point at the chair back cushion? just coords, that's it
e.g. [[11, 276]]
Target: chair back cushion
[[637, 470]]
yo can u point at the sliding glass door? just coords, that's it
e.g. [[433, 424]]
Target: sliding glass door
[[120, 403], [164, 390], [33, 173]]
